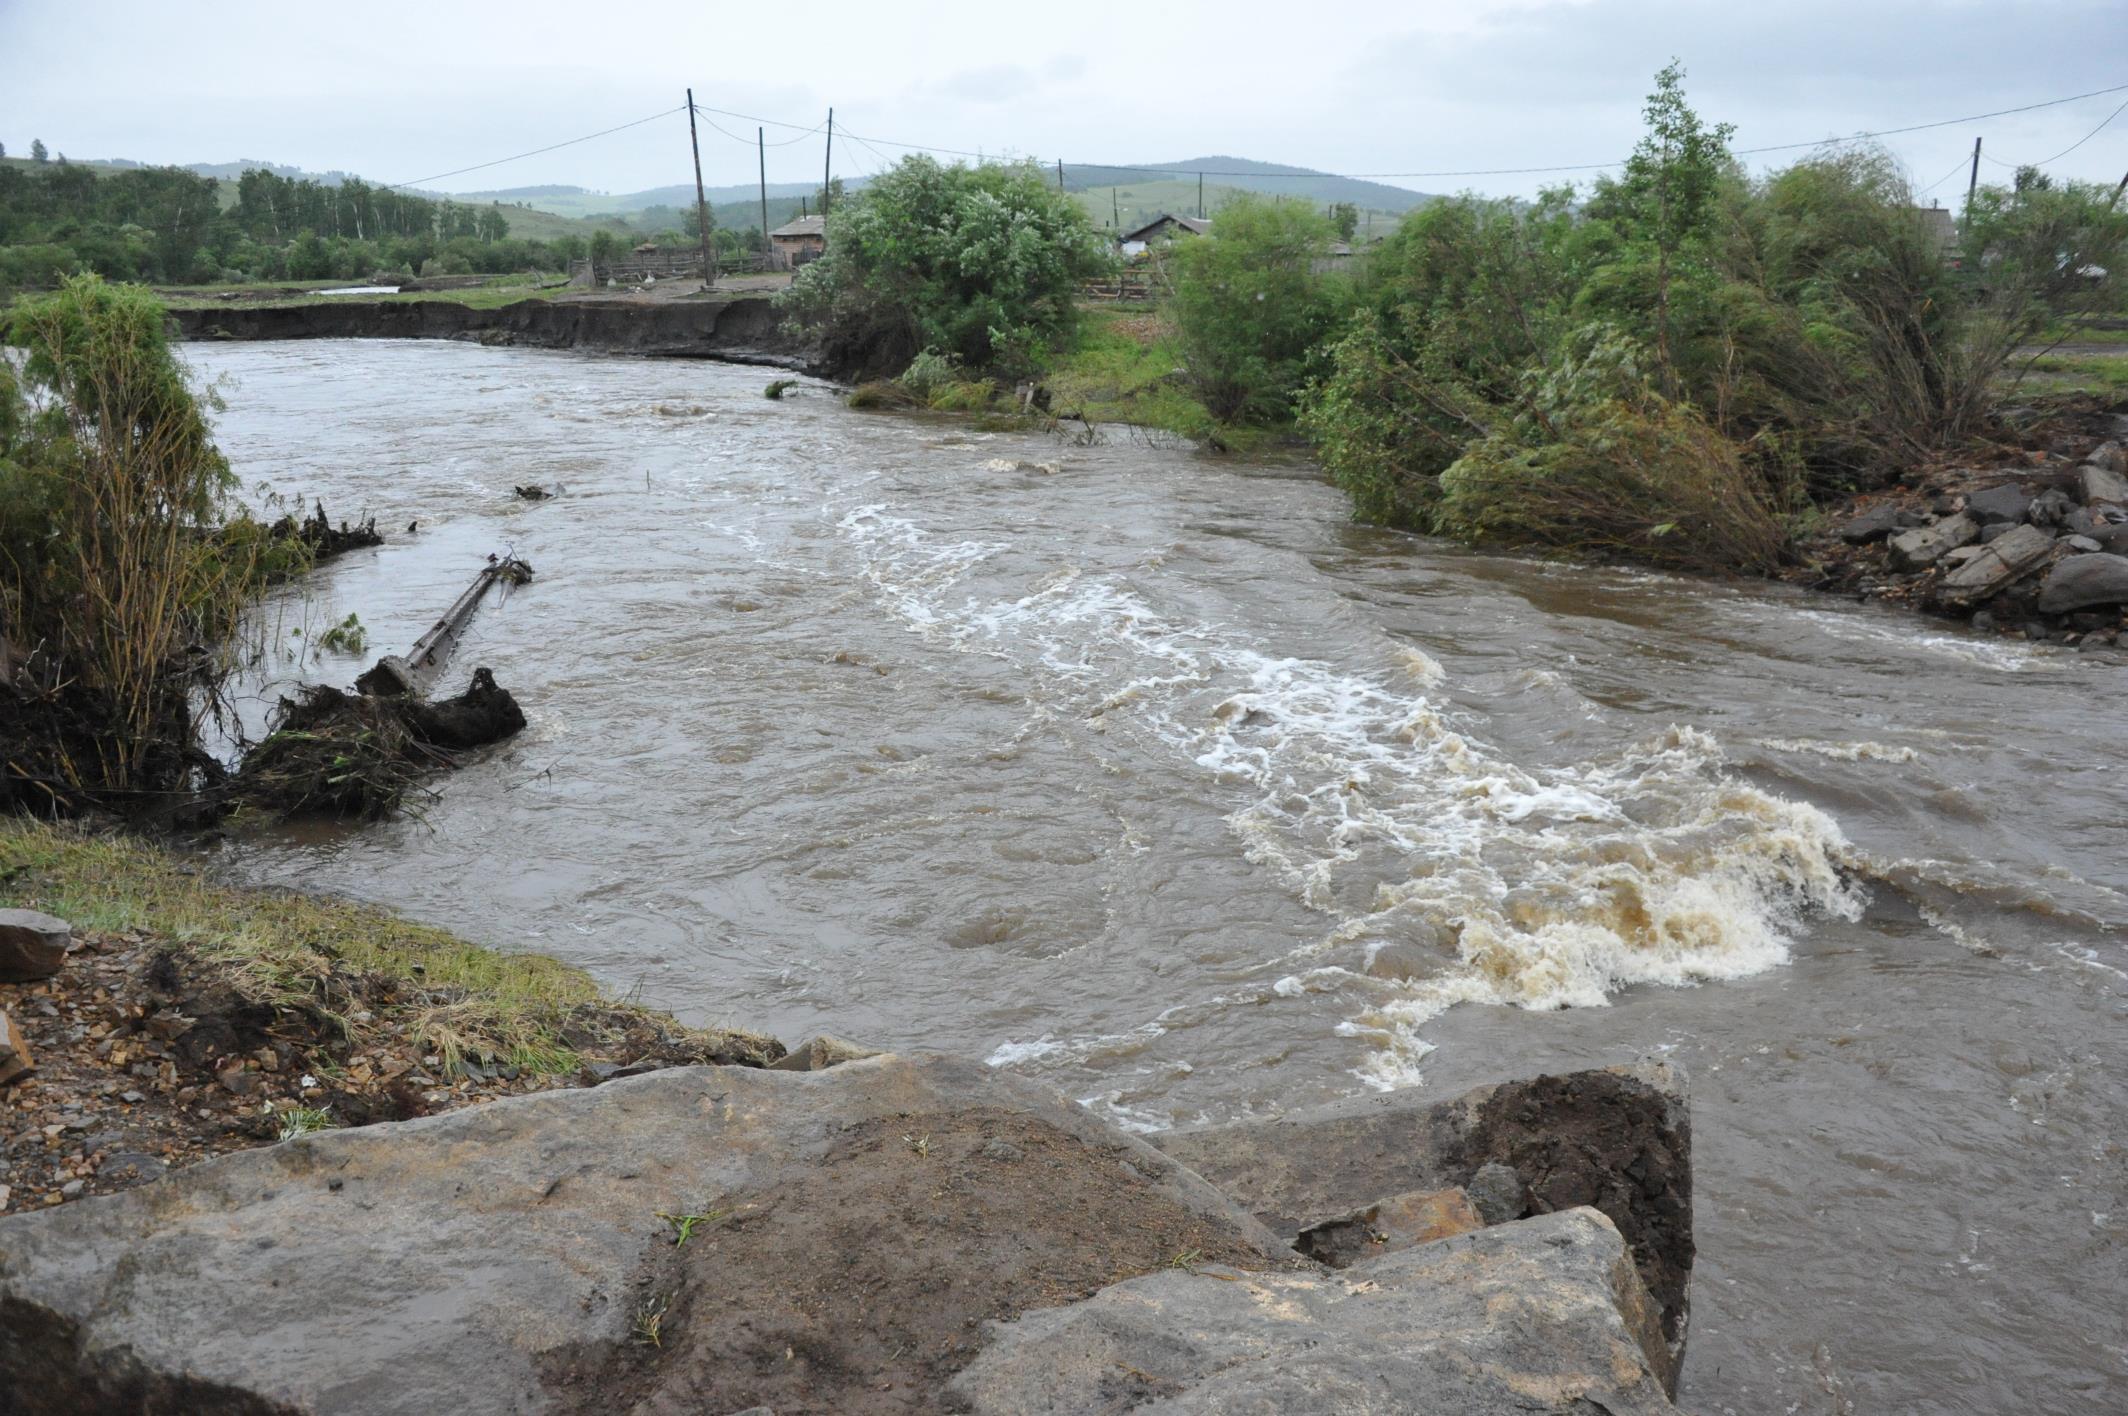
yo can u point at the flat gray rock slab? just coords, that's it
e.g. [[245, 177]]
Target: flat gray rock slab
[[446, 1264], [1925, 545], [1543, 1315], [1619, 1139], [33, 945], [1998, 563], [2102, 485]]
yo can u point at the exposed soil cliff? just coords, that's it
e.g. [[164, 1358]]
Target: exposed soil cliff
[[742, 329]]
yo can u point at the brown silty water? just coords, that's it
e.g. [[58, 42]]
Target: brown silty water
[[1152, 776]]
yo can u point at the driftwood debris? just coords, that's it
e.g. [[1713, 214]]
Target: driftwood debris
[[321, 538], [358, 754], [396, 675]]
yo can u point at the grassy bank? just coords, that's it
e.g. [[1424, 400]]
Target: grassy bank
[[504, 290], [338, 962]]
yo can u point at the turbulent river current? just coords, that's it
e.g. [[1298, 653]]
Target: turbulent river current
[[1153, 777]]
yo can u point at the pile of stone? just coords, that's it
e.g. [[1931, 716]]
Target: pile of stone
[[884, 1234], [2043, 553]]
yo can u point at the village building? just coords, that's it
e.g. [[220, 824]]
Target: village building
[[1162, 228], [800, 241]]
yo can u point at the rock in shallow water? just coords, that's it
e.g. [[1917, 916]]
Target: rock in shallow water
[[1618, 1139], [1545, 1315]]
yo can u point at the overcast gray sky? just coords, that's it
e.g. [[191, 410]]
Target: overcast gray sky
[[398, 91]]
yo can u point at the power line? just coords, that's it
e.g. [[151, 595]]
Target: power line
[[551, 147], [804, 132], [750, 142], [2084, 139], [1956, 168]]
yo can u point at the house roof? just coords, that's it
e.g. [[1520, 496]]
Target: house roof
[[1188, 223], [803, 226]]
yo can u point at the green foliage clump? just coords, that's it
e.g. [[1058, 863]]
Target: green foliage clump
[[1682, 360], [118, 570], [1252, 303], [980, 264]]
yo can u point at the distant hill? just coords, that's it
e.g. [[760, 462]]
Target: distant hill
[[1245, 174], [1125, 196]]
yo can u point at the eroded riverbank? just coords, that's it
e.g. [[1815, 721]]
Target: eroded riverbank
[[1153, 777]]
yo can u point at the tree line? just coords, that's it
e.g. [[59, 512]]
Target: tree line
[[1675, 364], [170, 225]]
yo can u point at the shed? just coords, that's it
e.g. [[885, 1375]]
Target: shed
[[796, 242], [1164, 227]]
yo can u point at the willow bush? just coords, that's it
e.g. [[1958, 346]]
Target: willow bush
[[121, 573], [1803, 335]]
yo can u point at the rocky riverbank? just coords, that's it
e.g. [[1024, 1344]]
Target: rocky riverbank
[[2037, 547], [742, 329], [837, 1231]]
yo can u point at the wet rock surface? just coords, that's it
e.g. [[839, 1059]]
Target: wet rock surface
[[887, 1234], [1547, 1315], [2010, 548], [845, 1232], [1618, 1140]]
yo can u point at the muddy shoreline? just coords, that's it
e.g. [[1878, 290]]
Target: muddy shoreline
[[740, 329]]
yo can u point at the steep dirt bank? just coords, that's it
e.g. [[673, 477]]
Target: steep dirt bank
[[744, 329]]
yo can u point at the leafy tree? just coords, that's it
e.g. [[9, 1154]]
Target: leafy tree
[[1663, 206], [981, 263], [114, 556], [1346, 218], [38, 151], [1251, 303]]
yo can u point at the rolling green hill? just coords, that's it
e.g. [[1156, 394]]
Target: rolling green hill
[[1271, 178]]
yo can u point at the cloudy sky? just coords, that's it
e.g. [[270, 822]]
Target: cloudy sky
[[400, 92]]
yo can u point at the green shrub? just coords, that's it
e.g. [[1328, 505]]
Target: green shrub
[[115, 559], [928, 372], [1252, 305], [980, 264], [964, 396], [1606, 466]]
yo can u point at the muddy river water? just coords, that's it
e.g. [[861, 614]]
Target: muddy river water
[[1153, 777]]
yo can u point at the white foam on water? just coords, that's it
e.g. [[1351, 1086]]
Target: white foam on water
[[2003, 656], [1540, 887], [1841, 751]]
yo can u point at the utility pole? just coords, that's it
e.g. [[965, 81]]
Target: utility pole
[[709, 261], [1115, 211], [1060, 174], [1200, 196], [761, 150], [1973, 183], [827, 167]]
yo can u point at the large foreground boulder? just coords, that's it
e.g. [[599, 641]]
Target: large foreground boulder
[[1619, 1139], [696, 1239], [1547, 1315]]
